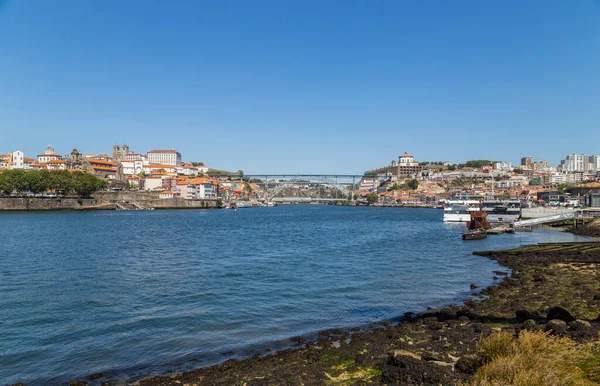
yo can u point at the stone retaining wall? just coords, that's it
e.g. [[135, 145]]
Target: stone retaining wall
[[13, 203]]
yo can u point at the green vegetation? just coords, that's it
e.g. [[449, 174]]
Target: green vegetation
[[451, 167], [517, 171], [197, 163], [62, 182], [478, 163], [563, 187], [535, 358], [413, 184], [536, 181], [345, 371], [371, 197]]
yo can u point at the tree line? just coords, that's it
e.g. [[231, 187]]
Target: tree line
[[61, 182]]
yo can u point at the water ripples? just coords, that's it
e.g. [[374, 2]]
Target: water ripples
[[131, 291]]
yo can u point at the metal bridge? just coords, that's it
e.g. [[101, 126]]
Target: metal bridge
[[274, 184]]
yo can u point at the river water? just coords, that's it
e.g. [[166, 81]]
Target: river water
[[138, 292]]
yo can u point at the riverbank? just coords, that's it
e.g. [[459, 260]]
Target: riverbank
[[102, 201], [553, 288]]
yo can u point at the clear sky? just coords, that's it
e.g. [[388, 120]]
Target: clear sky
[[303, 85]]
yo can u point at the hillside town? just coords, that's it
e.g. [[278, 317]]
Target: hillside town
[[574, 182]]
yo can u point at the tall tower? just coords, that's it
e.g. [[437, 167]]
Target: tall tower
[[116, 151]]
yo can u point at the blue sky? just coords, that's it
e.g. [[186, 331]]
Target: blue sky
[[303, 85]]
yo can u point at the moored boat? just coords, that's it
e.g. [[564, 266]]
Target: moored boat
[[474, 234]]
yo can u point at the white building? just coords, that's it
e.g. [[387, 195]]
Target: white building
[[594, 163], [16, 160], [407, 160], [504, 166], [49, 155], [165, 157], [153, 183], [131, 167], [201, 188], [575, 163]]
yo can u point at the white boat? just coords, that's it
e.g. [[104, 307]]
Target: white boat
[[499, 211]]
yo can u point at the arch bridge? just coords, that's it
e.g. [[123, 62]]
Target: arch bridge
[[275, 184]]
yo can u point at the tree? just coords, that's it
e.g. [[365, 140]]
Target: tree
[[60, 181], [478, 163], [13, 181], [563, 187], [37, 181], [517, 171], [413, 184], [198, 163], [84, 184], [371, 197], [240, 172], [451, 167]]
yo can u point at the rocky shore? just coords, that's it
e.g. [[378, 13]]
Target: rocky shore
[[553, 288]]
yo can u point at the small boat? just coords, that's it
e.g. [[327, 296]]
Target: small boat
[[476, 234]]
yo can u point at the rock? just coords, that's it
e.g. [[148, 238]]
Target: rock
[[495, 277], [529, 324], [500, 273], [556, 326], [407, 370], [468, 364], [464, 319], [430, 356], [523, 315], [538, 278], [95, 376], [596, 297], [430, 320], [579, 325], [559, 313], [410, 316], [473, 286]]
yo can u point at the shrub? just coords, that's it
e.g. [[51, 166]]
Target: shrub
[[535, 358]]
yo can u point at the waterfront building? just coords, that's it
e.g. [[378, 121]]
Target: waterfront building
[[165, 194], [153, 182], [167, 157], [49, 155], [16, 160], [201, 188], [134, 182]]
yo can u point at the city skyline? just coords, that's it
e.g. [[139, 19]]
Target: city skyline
[[303, 86]]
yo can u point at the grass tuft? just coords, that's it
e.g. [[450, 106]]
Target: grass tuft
[[535, 358]]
